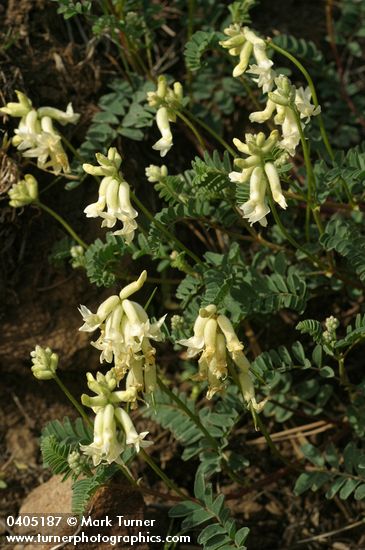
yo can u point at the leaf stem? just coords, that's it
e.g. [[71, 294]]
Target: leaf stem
[[71, 398], [169, 483], [189, 124], [62, 221], [211, 132], [188, 412], [163, 229], [308, 78]]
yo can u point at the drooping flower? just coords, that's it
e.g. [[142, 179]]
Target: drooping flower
[[167, 101], [213, 338], [47, 145], [125, 338], [303, 98], [243, 42], [107, 445], [137, 440], [109, 440], [36, 137], [259, 170], [113, 202], [283, 101]]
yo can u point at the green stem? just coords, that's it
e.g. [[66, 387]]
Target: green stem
[[63, 222], [311, 193], [195, 418], [163, 229], [308, 78], [72, 149], [192, 128], [291, 239], [212, 133], [191, 10], [348, 193], [269, 441], [71, 398], [342, 371], [128, 475], [169, 483], [188, 412]]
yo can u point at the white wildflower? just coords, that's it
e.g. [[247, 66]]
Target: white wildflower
[[167, 101], [303, 98], [36, 137], [259, 172], [243, 42], [137, 440], [214, 337], [106, 446], [125, 338], [113, 202]]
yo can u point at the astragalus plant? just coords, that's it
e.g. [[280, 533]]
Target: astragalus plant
[[252, 240]]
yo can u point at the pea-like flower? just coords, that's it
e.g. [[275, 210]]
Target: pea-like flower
[[24, 192], [36, 136], [284, 101], [214, 337], [113, 202], [45, 363], [113, 427], [167, 101], [259, 169], [137, 440], [107, 445], [20, 108], [243, 42], [47, 147], [125, 338]]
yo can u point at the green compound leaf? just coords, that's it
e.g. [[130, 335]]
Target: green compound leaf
[[199, 43]]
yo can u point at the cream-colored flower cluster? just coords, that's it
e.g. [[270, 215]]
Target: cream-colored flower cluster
[[243, 42], [259, 169], [113, 427], [283, 100], [125, 338], [154, 173], [213, 337], [24, 192], [113, 202], [45, 363], [36, 136], [167, 100], [291, 108]]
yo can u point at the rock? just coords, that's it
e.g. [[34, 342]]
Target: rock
[[54, 498]]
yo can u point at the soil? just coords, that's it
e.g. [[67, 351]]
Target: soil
[[51, 61]]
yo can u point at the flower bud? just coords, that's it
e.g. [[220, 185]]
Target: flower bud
[[45, 363], [63, 117], [133, 287], [274, 181], [156, 173], [233, 343], [20, 109], [24, 192]]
